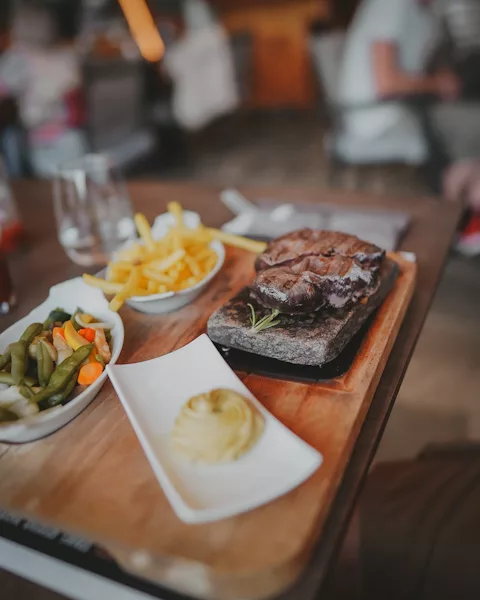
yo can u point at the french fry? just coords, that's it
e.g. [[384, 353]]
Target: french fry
[[118, 272], [132, 254], [116, 303], [155, 276], [178, 261], [121, 265], [204, 254], [210, 263], [176, 240], [152, 287], [145, 231], [199, 235], [126, 291], [140, 292], [193, 266], [176, 211], [113, 277], [238, 241], [107, 287], [167, 263]]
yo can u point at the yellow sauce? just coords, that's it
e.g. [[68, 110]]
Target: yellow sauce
[[218, 426]]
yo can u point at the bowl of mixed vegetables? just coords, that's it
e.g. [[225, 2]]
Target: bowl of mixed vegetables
[[52, 362]]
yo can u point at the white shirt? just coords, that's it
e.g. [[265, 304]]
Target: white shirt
[[201, 66], [414, 29]]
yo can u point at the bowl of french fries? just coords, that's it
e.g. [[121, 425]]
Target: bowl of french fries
[[170, 265]]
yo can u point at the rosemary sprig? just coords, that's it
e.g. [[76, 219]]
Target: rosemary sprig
[[265, 322]]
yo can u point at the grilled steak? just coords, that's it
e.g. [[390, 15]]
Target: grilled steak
[[308, 270], [310, 242], [310, 283]]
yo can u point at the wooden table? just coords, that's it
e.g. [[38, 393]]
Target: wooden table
[[429, 237]]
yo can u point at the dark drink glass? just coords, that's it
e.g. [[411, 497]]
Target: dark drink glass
[[7, 295]]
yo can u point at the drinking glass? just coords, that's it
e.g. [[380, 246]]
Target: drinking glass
[[92, 209]]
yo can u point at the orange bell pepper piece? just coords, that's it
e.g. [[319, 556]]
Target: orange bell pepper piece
[[88, 333], [59, 331]]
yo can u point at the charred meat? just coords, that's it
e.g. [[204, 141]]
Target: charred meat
[[309, 270], [310, 242]]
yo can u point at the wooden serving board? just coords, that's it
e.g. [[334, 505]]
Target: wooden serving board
[[93, 479]]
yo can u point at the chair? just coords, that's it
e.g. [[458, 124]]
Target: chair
[[341, 146]]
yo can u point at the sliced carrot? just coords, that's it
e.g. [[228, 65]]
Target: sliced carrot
[[59, 331], [89, 373], [88, 333]]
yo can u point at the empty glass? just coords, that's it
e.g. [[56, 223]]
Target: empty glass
[[92, 208]]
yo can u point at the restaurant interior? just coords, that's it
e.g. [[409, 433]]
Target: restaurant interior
[[191, 101]]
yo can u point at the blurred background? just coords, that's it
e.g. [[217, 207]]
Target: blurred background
[[229, 93], [284, 53], [346, 94]]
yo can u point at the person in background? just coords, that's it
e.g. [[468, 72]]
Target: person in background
[[386, 81], [461, 183], [44, 77]]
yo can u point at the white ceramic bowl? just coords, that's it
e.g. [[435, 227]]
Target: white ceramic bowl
[[68, 295], [170, 301]]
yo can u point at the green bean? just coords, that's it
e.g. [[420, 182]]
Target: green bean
[[19, 360], [99, 359], [44, 364], [30, 332], [63, 373], [32, 348], [7, 378], [26, 391], [5, 359], [61, 396]]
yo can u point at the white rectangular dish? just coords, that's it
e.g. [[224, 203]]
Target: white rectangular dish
[[67, 295], [152, 393]]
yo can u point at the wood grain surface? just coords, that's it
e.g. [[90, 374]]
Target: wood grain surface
[[110, 445], [104, 475]]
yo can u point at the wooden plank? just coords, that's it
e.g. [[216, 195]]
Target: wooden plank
[[44, 264], [87, 477]]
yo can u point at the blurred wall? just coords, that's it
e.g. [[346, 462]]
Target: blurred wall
[[281, 72]]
